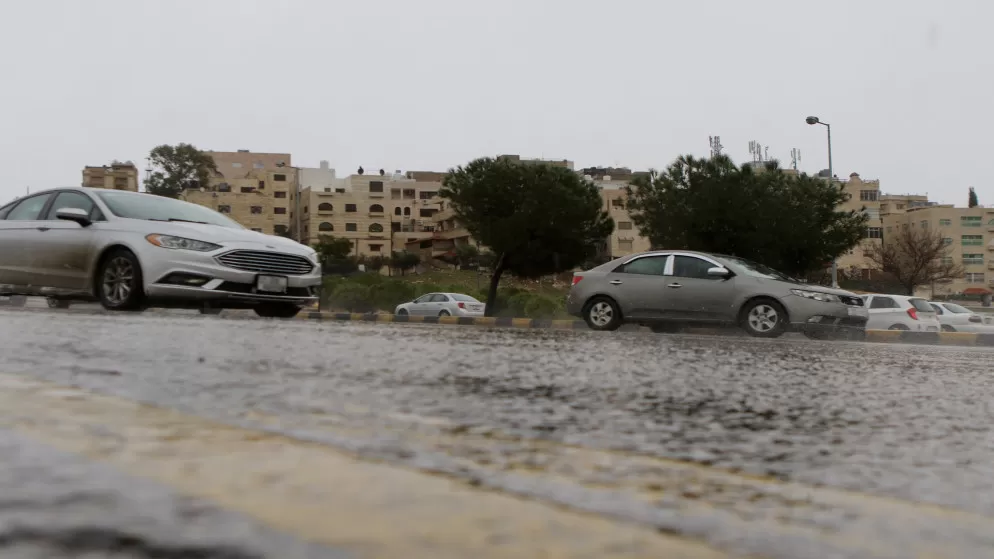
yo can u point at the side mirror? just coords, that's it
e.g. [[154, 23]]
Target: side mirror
[[719, 272], [81, 217]]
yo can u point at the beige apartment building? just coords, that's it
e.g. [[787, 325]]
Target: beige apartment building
[[969, 235], [116, 176], [254, 189]]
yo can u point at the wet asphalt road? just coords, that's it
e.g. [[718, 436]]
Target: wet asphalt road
[[905, 422]]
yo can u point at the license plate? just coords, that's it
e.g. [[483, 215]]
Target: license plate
[[271, 284]]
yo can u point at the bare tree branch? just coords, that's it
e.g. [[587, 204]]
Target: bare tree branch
[[915, 257]]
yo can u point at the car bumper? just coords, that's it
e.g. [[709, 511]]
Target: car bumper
[[809, 315]]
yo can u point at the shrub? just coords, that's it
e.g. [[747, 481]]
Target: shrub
[[542, 306], [352, 297]]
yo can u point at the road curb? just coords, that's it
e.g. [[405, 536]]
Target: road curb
[[873, 336]]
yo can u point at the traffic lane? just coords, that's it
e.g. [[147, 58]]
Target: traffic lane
[[908, 421], [54, 505]]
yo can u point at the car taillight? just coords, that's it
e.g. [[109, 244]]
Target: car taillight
[[913, 313], [576, 279], [462, 305], [975, 318]]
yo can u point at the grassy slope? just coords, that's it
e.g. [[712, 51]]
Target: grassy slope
[[471, 282]]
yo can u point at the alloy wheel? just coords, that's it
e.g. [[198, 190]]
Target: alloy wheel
[[763, 318], [601, 314], [118, 280]]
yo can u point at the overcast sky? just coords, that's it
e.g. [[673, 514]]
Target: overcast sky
[[427, 84]]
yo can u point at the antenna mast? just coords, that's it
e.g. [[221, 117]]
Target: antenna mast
[[795, 157], [716, 146]]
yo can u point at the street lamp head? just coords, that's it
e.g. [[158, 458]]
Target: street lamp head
[[812, 120]]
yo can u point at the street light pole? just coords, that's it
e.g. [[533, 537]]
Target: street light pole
[[831, 178]]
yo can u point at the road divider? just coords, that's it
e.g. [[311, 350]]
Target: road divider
[[876, 336]]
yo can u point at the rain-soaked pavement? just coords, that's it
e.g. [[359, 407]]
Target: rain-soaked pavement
[[756, 446]]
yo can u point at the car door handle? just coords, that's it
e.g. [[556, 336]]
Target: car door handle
[[675, 285], [615, 282], [44, 228]]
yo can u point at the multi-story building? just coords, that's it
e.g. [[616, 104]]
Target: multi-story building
[[626, 238], [969, 235], [116, 176], [900, 203], [553, 162], [863, 196], [255, 189]]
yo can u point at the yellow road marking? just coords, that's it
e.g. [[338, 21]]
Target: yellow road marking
[[521, 322], [448, 319], [485, 321], [958, 338], [890, 336], [318, 493]]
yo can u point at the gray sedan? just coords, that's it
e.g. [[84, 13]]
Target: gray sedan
[[442, 304], [669, 289], [131, 250]]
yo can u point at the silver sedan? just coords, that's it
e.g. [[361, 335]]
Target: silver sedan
[[130, 251], [442, 304]]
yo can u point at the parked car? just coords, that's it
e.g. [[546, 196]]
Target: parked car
[[957, 318], [668, 289], [132, 250], [442, 304], [900, 312]]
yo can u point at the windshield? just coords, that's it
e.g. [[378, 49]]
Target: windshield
[[464, 298], [954, 308], [922, 305], [757, 270], [158, 208]]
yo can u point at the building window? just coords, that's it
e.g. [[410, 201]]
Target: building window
[[991, 222], [900, 206], [971, 221], [256, 209], [247, 189], [225, 209], [351, 227], [945, 223], [947, 241], [376, 186], [868, 195], [973, 258], [426, 213], [351, 208], [428, 194], [396, 211], [625, 245], [262, 185], [624, 225], [224, 187], [375, 228], [325, 226], [279, 178], [972, 240], [872, 213], [340, 190], [279, 194], [375, 248], [618, 203], [376, 209], [236, 165], [947, 260], [280, 211], [280, 229], [924, 224], [407, 211], [258, 165], [974, 277], [325, 207], [874, 232]]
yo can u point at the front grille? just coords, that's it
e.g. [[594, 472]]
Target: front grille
[[266, 262], [852, 301], [249, 289]]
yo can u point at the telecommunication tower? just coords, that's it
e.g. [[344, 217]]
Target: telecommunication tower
[[795, 157], [716, 146]]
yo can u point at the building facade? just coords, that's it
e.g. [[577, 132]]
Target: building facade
[[969, 236], [255, 189], [116, 176]]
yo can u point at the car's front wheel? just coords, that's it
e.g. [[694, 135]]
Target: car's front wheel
[[602, 313], [119, 282], [764, 318], [277, 310], [402, 312]]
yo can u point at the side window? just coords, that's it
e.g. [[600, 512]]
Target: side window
[[6, 210], [691, 267], [423, 298], [648, 266], [938, 309], [883, 303], [439, 298], [29, 209], [70, 200], [97, 215]]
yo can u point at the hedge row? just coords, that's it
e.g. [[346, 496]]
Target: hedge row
[[364, 293]]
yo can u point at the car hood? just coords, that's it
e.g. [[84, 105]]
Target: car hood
[[221, 235]]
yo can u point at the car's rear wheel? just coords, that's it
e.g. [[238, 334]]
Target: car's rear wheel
[[402, 312], [119, 282], [277, 310], [764, 318], [899, 327], [57, 303], [602, 313], [948, 328], [444, 313]]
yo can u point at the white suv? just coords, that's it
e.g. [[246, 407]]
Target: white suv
[[900, 312]]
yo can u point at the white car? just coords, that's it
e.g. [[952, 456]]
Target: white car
[[131, 250], [957, 318], [900, 312], [442, 304]]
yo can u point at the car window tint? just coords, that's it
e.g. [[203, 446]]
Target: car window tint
[[883, 303], [465, 299], [957, 309], [649, 265], [937, 308], [921, 305], [423, 298], [439, 299], [6, 210], [691, 267], [70, 200], [29, 209]]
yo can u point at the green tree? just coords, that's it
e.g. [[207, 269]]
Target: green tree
[[973, 202], [178, 167], [373, 263], [793, 223], [335, 254], [467, 254], [404, 260], [537, 219]]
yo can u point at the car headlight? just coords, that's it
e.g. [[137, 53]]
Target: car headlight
[[181, 243], [816, 295]]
